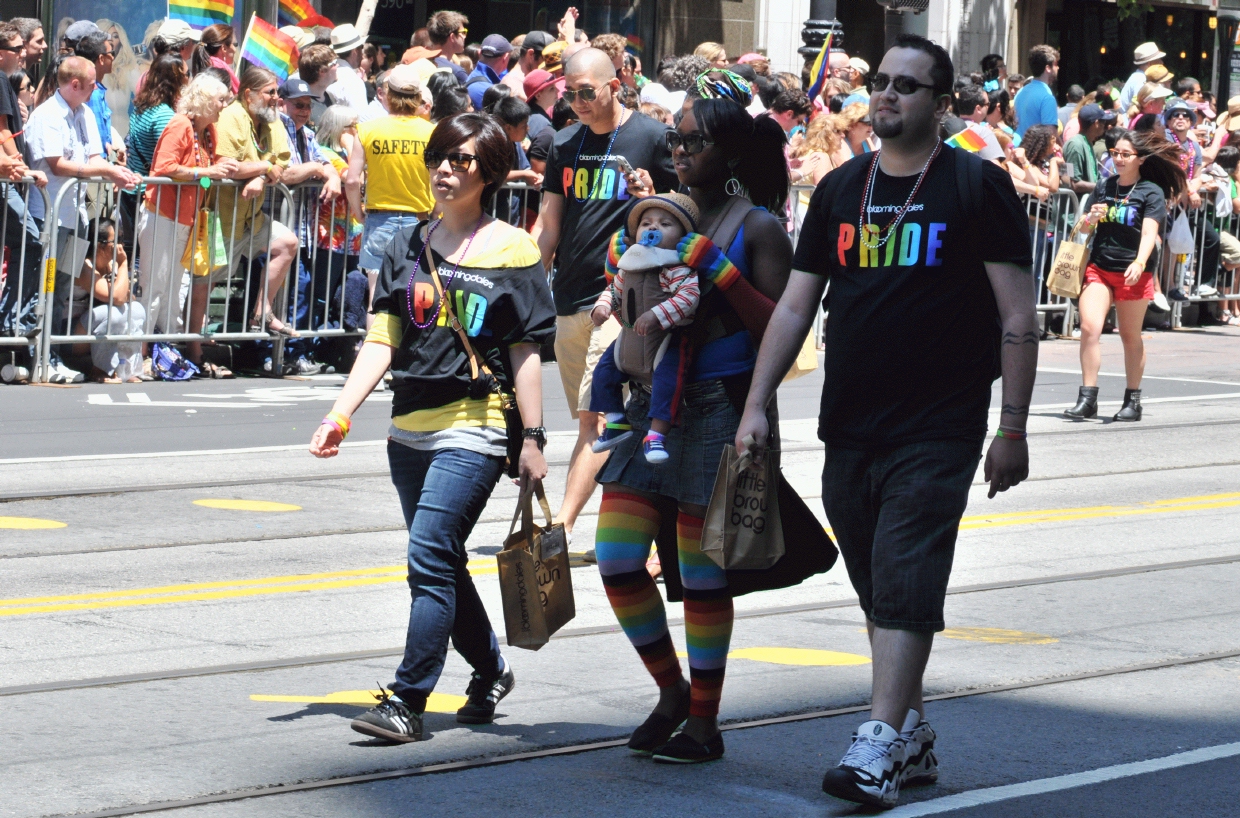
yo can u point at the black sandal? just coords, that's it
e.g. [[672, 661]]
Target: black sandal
[[684, 749], [657, 730]]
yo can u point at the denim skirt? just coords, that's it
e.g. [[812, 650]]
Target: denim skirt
[[381, 226], [707, 423]]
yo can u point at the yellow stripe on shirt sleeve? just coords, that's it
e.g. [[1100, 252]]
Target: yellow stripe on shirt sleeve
[[385, 330]]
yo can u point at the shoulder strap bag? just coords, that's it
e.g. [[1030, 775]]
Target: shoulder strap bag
[[481, 374]]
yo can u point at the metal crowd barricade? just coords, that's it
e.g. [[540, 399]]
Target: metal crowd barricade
[[23, 290], [1182, 277], [160, 285], [1050, 224]]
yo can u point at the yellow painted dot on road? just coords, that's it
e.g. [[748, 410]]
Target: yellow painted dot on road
[[29, 523], [999, 636], [806, 657], [437, 703], [799, 656], [247, 505]]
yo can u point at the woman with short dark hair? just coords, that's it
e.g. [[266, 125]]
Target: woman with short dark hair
[[734, 168], [448, 438]]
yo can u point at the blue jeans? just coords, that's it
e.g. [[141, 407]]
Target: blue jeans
[[895, 515], [667, 390], [442, 494]]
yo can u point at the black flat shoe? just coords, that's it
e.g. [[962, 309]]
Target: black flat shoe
[[657, 730], [683, 749]]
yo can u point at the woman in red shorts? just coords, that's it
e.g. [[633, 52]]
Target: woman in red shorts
[[1126, 213]]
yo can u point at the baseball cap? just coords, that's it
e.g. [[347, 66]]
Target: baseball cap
[[404, 79], [81, 28], [858, 64], [536, 81], [537, 40], [175, 31], [294, 88], [1093, 113], [301, 37], [495, 44]]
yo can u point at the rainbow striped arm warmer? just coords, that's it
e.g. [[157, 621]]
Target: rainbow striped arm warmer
[[615, 249], [701, 254]]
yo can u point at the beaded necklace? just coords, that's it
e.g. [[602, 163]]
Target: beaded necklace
[[867, 197], [585, 131], [417, 263], [1191, 156]]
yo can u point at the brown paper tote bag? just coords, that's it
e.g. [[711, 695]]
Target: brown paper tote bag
[[535, 583], [1068, 271], [807, 359], [742, 527]]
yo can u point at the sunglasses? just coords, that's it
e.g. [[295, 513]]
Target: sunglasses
[[16, 49], [459, 162], [865, 121], [461, 31], [692, 142], [1178, 114], [906, 86], [586, 94], [1122, 154]]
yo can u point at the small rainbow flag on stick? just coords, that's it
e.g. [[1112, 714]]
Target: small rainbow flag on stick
[[968, 139], [201, 13], [293, 12], [818, 73], [268, 47]]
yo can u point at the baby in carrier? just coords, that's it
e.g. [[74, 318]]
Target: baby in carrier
[[652, 293]]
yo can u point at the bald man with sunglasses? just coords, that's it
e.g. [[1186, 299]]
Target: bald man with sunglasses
[[585, 197]]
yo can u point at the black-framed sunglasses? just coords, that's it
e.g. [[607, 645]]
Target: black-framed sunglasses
[[1177, 114], [459, 162], [907, 86], [691, 142], [16, 49], [586, 94]]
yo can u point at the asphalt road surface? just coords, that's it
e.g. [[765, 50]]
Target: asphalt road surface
[[192, 609]]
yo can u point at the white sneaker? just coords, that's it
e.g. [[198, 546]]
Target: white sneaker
[[921, 766], [63, 374], [1161, 302], [870, 772], [1205, 291]]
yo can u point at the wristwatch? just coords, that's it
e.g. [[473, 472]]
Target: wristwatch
[[538, 433]]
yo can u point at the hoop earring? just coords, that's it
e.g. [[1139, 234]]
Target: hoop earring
[[733, 186]]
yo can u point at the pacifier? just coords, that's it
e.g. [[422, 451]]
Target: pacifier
[[651, 238]]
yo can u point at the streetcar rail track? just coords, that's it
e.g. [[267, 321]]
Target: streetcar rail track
[[605, 744], [577, 633], [98, 491], [501, 518]]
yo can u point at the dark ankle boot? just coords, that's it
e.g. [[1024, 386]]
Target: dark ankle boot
[[1086, 404], [1131, 410]]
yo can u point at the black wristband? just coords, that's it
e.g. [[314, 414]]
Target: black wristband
[[538, 433]]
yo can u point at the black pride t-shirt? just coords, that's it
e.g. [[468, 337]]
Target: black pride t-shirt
[[499, 295], [912, 330], [1117, 237], [9, 109], [597, 199]]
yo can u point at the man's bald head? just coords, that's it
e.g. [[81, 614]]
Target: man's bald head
[[589, 62]]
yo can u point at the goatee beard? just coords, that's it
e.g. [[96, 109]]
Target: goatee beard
[[887, 128]]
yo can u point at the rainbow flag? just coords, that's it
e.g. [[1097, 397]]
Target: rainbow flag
[[268, 47], [818, 73], [293, 12], [201, 13], [968, 139]]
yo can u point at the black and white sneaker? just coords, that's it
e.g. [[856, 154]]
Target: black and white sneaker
[[391, 720], [921, 766], [869, 773], [484, 696]]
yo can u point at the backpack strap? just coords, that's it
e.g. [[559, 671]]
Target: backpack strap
[[723, 232], [969, 185]]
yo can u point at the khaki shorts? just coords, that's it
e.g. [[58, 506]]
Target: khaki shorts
[[1229, 247], [578, 346]]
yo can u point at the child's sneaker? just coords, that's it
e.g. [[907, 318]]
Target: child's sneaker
[[614, 433], [654, 450]]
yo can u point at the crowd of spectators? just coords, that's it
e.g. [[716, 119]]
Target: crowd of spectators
[[199, 115]]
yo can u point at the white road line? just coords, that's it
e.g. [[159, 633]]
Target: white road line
[[99, 399], [1143, 377], [1043, 407], [991, 795], [138, 397]]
